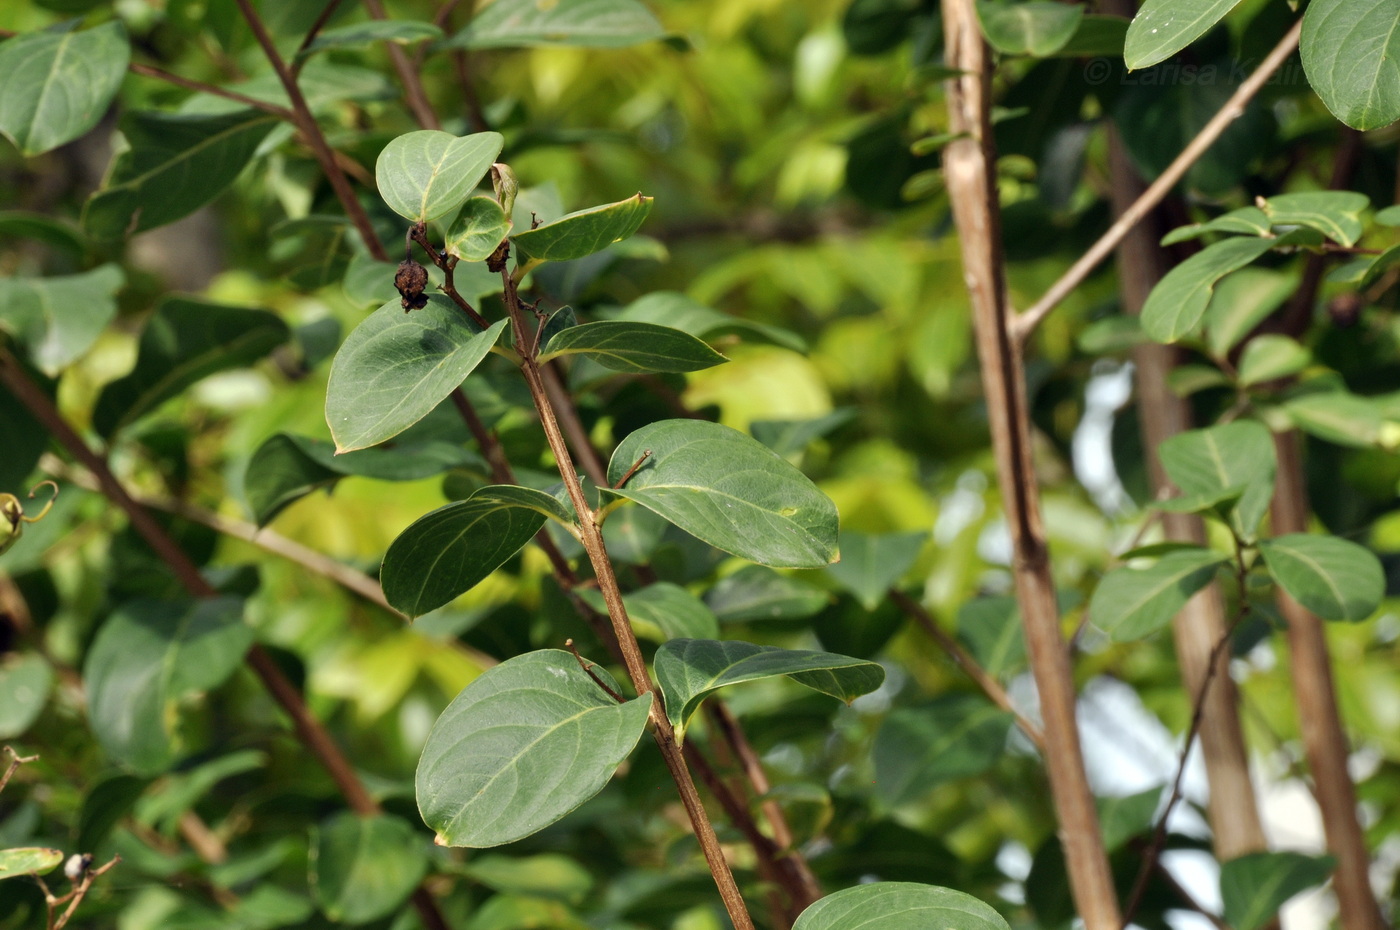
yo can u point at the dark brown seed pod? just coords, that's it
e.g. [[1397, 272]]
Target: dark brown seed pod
[[496, 261], [410, 279]]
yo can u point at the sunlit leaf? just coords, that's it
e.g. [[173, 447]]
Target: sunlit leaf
[[479, 228], [1131, 603], [28, 860], [899, 906], [582, 233], [633, 347], [59, 318], [1176, 305], [1225, 459], [1351, 55], [1334, 578], [59, 84], [1335, 214], [1033, 27], [426, 173], [593, 23], [1164, 27]]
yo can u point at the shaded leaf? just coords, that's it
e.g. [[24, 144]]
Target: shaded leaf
[[1351, 55], [522, 745], [364, 868], [787, 437], [991, 627], [1122, 818], [1271, 356], [60, 234], [25, 682], [728, 490], [402, 31], [1334, 578], [1335, 214], [1225, 459], [395, 367], [1254, 886], [547, 875], [632, 347], [424, 174], [176, 164], [583, 232], [678, 311], [59, 84], [687, 670], [662, 611], [145, 658], [59, 318], [1241, 302], [1248, 221], [479, 228], [1034, 27], [899, 906], [1176, 305], [919, 748], [1131, 603], [184, 342], [871, 565], [758, 593], [1164, 27], [589, 23], [1097, 35]]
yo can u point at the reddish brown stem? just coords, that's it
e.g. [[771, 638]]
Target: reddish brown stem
[[299, 57], [414, 94]]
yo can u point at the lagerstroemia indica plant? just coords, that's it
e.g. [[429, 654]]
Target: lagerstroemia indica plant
[[536, 736]]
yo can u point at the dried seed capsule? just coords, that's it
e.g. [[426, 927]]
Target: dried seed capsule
[[410, 279]]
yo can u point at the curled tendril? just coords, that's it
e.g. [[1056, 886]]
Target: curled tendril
[[48, 504]]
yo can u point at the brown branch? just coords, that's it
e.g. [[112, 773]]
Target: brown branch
[[305, 122], [214, 90], [964, 660], [1233, 109], [573, 429], [414, 94], [75, 897], [968, 165], [299, 58], [16, 760]]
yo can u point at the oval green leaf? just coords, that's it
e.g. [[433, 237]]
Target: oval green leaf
[[1334, 578], [588, 23], [449, 551], [919, 748], [1271, 356], [395, 367], [25, 682], [59, 318], [145, 658], [184, 342], [370, 31], [633, 347], [1034, 27], [59, 84], [1337, 416], [364, 868], [687, 670], [522, 745], [1351, 55], [871, 565], [758, 593], [662, 611], [1131, 603], [1176, 305], [28, 860], [1253, 887], [728, 490], [1204, 463], [424, 174], [899, 906], [1335, 214], [583, 232], [479, 228], [1164, 27], [176, 164]]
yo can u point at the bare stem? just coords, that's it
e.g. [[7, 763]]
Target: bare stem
[[968, 171], [299, 57], [16, 760], [414, 94], [212, 89], [1233, 109]]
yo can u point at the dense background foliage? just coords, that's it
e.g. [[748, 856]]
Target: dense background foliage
[[791, 149]]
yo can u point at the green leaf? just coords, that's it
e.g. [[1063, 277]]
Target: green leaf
[[583, 232], [1241, 302], [184, 342], [58, 319], [479, 228], [662, 611], [633, 347], [758, 593], [364, 868], [25, 682], [286, 467], [676, 310], [395, 367], [1097, 36], [687, 670], [59, 84], [149, 655], [788, 437], [521, 912], [1225, 458], [1269, 357], [60, 234], [1254, 886], [1131, 603], [1334, 578], [522, 745], [452, 549], [30, 860], [588, 23], [424, 174], [1335, 214], [546, 875], [729, 491], [1337, 416], [951, 737], [1176, 305], [899, 906], [402, 31], [871, 565], [324, 84], [1249, 221], [1164, 27], [991, 627], [176, 164], [1377, 267], [1351, 55], [1122, 818], [1033, 27]]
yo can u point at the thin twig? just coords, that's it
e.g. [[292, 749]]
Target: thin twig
[[211, 89], [16, 760], [414, 94], [1233, 109], [75, 897], [964, 660], [299, 57]]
